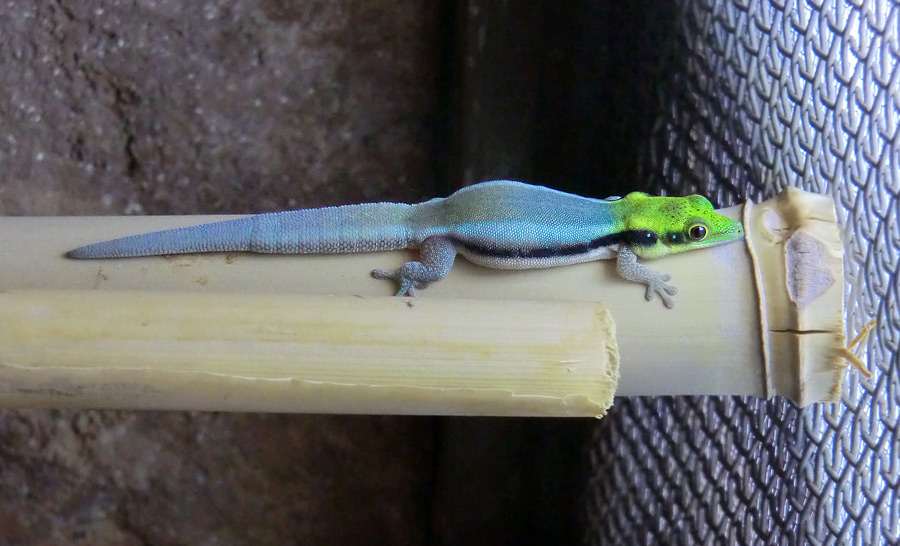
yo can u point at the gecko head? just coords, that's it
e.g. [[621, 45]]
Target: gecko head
[[659, 226]]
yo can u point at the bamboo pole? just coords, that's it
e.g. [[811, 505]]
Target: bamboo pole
[[717, 340]]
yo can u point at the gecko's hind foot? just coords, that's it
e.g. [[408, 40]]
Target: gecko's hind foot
[[408, 286], [437, 258]]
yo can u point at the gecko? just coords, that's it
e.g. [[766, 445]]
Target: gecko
[[500, 224]]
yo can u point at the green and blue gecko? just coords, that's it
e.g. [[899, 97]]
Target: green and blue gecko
[[500, 224]]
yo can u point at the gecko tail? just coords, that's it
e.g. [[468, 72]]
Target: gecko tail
[[228, 236], [370, 227]]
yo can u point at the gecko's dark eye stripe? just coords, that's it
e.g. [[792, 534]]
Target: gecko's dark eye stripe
[[635, 237], [640, 237]]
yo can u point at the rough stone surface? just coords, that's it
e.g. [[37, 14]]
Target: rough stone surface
[[226, 106], [115, 107], [103, 477]]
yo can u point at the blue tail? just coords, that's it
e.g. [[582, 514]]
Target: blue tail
[[227, 236], [350, 228]]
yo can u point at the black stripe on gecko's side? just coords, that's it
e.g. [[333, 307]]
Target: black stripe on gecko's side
[[633, 237]]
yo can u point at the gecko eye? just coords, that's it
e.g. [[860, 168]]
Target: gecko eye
[[697, 232]]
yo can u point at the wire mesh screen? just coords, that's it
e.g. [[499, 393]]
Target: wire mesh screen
[[761, 95]]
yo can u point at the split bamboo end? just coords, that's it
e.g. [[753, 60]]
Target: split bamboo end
[[798, 258]]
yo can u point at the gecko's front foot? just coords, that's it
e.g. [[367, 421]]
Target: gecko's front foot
[[657, 284], [629, 269]]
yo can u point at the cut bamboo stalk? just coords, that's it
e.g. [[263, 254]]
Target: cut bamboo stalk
[[273, 352], [710, 343]]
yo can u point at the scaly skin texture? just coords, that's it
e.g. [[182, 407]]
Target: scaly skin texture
[[500, 224]]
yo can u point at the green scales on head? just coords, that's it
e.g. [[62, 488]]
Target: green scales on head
[[659, 226]]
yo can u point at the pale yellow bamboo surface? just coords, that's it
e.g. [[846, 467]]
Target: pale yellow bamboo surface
[[276, 352]]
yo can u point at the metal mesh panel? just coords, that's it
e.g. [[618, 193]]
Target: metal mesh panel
[[761, 95]]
